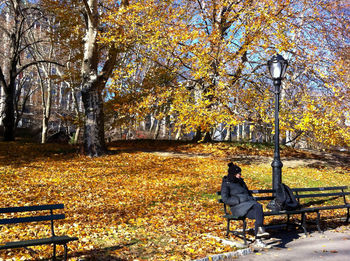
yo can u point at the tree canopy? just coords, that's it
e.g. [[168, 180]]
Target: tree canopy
[[199, 64], [209, 57]]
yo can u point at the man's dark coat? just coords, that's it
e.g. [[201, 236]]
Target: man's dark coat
[[235, 193]]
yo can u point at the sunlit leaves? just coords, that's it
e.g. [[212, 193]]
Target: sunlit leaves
[[140, 204], [215, 53]]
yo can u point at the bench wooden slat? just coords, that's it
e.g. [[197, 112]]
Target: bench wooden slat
[[288, 212], [233, 217], [329, 207], [264, 198], [253, 191], [319, 188], [31, 208], [338, 194], [257, 191], [6, 221]]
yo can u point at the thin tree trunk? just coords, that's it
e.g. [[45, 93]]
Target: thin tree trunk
[[207, 137], [76, 135], [228, 133], [78, 115], [152, 123], [46, 115], [46, 102], [178, 134], [198, 136], [156, 131], [239, 132], [163, 127]]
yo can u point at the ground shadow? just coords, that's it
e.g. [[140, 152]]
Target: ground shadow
[[20, 153], [250, 160], [96, 254], [99, 254], [317, 160], [282, 236]]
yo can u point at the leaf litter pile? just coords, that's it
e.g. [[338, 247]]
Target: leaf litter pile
[[131, 204]]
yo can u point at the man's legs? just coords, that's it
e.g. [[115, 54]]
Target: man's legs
[[256, 212]]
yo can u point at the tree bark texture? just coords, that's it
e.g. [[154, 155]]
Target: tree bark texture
[[9, 112], [94, 142], [94, 82], [9, 72]]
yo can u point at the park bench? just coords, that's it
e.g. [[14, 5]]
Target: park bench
[[38, 213], [305, 197]]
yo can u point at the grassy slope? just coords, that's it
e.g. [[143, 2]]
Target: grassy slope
[[133, 204]]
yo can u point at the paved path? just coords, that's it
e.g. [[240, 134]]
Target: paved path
[[331, 245]]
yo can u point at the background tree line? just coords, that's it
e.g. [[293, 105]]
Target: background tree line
[[195, 66]]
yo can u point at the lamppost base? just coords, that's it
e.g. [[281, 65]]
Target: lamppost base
[[276, 173]]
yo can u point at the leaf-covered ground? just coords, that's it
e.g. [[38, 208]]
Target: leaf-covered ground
[[132, 203]]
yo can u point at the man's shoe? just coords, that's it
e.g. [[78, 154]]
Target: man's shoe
[[259, 244], [262, 232]]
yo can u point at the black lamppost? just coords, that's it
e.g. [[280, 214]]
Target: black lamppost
[[277, 67]]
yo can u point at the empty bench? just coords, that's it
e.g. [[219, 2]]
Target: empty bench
[[324, 195], [305, 197], [36, 214]]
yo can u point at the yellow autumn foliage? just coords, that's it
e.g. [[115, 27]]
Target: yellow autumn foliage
[[134, 204]]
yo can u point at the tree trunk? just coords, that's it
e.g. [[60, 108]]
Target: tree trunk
[[239, 132], [163, 128], [156, 131], [245, 132], [8, 75], [9, 119], [46, 106], [198, 136], [76, 136], [228, 133], [178, 133], [94, 82], [44, 130], [46, 100], [77, 109], [143, 125], [152, 120], [207, 137], [94, 143]]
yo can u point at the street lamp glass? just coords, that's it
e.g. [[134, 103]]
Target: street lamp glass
[[277, 66]]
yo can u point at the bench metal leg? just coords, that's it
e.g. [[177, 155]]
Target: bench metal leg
[[54, 252], [238, 233], [303, 222], [318, 222], [228, 227], [347, 216], [65, 252], [288, 218], [244, 231]]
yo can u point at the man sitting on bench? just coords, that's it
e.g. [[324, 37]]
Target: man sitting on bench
[[235, 193]]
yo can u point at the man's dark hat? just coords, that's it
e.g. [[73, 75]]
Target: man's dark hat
[[233, 169]]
